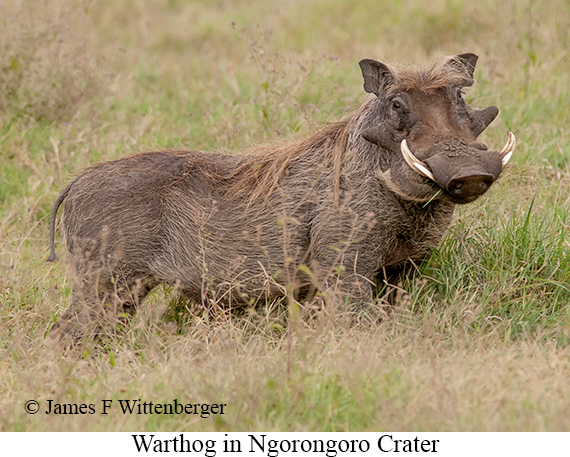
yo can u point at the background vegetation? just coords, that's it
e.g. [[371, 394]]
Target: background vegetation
[[480, 339]]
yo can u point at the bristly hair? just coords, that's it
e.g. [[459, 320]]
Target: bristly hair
[[447, 71], [263, 167]]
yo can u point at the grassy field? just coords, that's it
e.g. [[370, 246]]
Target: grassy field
[[479, 339]]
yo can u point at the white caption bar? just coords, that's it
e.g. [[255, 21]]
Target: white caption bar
[[275, 444]]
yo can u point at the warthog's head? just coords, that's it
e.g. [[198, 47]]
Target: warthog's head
[[429, 132]]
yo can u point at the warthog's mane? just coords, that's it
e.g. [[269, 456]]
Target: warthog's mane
[[445, 72], [263, 167]]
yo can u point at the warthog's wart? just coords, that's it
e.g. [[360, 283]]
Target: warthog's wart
[[329, 214]]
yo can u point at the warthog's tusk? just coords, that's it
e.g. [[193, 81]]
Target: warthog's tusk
[[509, 148], [417, 165]]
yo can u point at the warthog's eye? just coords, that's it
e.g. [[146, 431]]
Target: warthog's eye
[[459, 95], [398, 106]]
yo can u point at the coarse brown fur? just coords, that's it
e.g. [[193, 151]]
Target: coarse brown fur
[[328, 213]]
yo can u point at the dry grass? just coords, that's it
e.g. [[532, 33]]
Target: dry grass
[[48, 68], [481, 336], [401, 376]]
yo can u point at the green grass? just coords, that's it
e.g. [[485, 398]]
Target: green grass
[[480, 337]]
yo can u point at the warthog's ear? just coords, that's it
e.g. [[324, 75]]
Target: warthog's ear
[[469, 61], [466, 64], [377, 76]]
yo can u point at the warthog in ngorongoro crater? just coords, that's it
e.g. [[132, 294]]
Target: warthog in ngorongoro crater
[[330, 214]]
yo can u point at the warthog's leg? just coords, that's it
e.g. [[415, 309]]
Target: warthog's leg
[[346, 284], [98, 310], [345, 264], [81, 321], [353, 293], [391, 279]]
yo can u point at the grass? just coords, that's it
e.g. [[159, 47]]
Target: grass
[[480, 339]]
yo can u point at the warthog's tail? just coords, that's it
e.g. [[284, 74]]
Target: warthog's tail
[[58, 201]]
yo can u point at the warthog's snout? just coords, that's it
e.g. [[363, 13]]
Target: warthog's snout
[[469, 185], [464, 176]]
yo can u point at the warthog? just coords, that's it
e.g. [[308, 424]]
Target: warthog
[[327, 214]]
